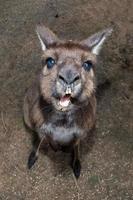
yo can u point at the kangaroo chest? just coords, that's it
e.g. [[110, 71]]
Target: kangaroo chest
[[62, 130]]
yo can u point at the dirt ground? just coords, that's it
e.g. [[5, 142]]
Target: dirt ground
[[107, 163]]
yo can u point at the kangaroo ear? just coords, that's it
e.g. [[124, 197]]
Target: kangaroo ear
[[96, 41], [46, 36]]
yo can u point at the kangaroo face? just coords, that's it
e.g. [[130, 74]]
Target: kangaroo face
[[67, 78]]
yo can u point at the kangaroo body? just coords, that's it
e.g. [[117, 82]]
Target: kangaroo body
[[60, 106]]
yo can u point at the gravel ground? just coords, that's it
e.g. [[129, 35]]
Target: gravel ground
[[107, 158]]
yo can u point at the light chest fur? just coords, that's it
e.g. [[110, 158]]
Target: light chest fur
[[62, 131]]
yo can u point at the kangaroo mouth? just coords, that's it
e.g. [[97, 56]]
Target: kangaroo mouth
[[65, 100]]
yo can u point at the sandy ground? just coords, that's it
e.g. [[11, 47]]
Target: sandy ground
[[107, 163]]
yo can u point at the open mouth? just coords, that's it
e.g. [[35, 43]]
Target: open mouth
[[65, 100]]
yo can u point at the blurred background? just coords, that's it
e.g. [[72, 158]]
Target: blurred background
[[107, 166]]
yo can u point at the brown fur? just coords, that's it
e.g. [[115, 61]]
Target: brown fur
[[56, 124]]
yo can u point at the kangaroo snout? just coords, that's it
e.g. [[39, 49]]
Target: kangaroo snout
[[69, 80], [68, 76]]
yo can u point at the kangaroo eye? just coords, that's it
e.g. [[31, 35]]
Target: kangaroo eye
[[50, 62], [87, 65]]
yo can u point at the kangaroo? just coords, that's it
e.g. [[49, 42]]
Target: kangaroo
[[60, 105]]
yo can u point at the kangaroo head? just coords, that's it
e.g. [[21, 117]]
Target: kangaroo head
[[67, 78]]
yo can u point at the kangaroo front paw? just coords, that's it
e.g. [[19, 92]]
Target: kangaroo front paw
[[32, 159], [76, 168]]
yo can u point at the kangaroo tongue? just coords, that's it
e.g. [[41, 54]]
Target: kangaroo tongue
[[65, 100]]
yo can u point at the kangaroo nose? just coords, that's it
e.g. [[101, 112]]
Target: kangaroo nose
[[68, 77]]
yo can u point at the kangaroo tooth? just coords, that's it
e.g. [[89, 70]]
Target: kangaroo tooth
[[68, 90]]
